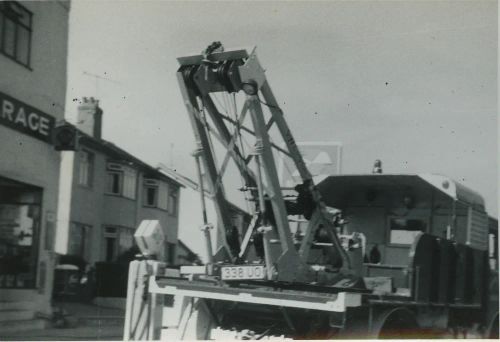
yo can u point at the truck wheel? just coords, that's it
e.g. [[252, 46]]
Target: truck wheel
[[397, 323]]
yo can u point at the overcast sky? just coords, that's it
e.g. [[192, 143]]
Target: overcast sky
[[412, 83]]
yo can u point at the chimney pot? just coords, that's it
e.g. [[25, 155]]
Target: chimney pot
[[90, 117], [377, 166]]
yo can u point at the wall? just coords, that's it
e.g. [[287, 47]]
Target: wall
[[43, 87], [27, 159], [94, 207], [87, 203]]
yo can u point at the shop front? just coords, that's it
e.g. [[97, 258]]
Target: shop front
[[29, 176], [33, 63], [20, 208]]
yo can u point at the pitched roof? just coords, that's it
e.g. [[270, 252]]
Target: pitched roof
[[121, 155]]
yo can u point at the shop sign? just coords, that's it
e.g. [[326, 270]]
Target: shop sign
[[26, 119]]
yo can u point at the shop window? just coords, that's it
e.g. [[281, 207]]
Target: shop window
[[155, 194], [79, 241], [121, 180], [15, 32], [85, 168], [403, 230], [20, 217]]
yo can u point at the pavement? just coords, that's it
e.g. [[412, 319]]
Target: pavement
[[88, 333], [85, 322]]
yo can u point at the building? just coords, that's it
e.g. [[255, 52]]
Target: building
[[33, 58], [106, 193]]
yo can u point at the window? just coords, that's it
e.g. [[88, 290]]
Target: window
[[114, 182], [150, 196], [126, 239], [20, 219], [403, 231], [110, 237], [155, 194], [121, 180], [79, 240], [116, 241], [129, 181], [172, 203], [86, 168], [15, 32]]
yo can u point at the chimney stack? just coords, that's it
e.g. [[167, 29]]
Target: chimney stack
[[90, 117], [377, 166]]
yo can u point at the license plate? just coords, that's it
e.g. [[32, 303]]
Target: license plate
[[242, 272]]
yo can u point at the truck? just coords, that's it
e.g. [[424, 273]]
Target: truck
[[354, 256]]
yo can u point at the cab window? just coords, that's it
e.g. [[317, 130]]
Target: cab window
[[403, 231]]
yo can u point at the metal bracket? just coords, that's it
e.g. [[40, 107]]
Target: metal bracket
[[252, 70]]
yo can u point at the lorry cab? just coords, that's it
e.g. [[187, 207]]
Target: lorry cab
[[396, 212], [391, 210]]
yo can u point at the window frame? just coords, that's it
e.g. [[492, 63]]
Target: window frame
[[129, 173], [422, 217], [125, 173], [109, 187], [85, 242], [162, 194], [117, 234], [90, 169], [145, 188], [17, 23]]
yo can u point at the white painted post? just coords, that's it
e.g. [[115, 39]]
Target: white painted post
[[143, 315]]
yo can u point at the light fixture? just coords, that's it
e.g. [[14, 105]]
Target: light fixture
[[409, 201]]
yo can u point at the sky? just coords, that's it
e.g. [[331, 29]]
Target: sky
[[412, 83]]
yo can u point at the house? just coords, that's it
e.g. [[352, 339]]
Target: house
[[106, 192]]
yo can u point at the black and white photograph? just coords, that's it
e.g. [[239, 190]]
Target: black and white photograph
[[248, 170]]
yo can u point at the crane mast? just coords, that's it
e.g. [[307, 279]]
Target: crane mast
[[238, 72]]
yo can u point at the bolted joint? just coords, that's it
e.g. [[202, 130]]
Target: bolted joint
[[206, 227], [264, 229], [258, 147], [197, 152], [250, 87]]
